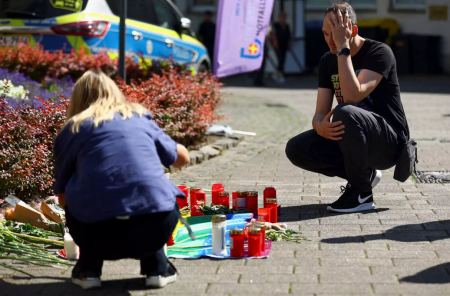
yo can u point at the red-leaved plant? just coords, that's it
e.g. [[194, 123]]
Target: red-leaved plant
[[26, 144], [40, 64], [182, 104]]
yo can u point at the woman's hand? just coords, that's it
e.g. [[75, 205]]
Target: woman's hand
[[182, 157], [330, 130]]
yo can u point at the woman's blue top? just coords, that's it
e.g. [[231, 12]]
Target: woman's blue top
[[115, 169]]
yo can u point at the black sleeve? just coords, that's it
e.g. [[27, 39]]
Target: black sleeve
[[381, 60], [324, 73]]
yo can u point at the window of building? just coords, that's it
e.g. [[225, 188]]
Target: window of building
[[204, 2], [203, 5], [408, 4], [357, 4]]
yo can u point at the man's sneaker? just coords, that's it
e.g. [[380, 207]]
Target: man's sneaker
[[87, 282], [162, 280], [376, 178], [352, 201]]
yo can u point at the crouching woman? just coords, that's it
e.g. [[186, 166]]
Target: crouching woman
[[118, 202]]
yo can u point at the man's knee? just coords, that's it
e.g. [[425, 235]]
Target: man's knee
[[344, 113], [295, 151]]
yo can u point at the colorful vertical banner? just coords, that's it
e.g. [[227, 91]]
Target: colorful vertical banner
[[240, 35]]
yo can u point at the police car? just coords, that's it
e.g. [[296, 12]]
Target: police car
[[155, 28]]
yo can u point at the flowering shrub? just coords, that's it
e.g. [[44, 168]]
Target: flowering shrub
[[50, 88], [8, 89], [26, 144], [183, 105]]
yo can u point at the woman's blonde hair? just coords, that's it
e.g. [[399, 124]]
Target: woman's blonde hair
[[96, 97]]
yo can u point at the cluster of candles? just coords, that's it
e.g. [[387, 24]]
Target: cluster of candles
[[255, 234], [240, 200]]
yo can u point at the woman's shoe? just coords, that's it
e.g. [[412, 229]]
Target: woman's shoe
[[87, 282], [162, 280]]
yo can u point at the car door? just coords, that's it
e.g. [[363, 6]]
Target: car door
[[143, 37], [168, 18]]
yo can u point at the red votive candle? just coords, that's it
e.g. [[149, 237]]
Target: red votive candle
[[198, 198], [269, 192], [239, 200], [262, 226], [215, 190], [224, 199], [271, 203], [183, 202], [254, 242], [264, 214], [237, 243], [192, 192], [251, 199]]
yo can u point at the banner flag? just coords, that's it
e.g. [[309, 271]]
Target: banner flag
[[240, 35]]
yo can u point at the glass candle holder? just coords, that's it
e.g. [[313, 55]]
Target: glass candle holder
[[237, 243], [269, 192], [264, 214], [198, 199], [216, 188], [251, 198], [254, 242], [271, 203], [183, 202], [239, 200]]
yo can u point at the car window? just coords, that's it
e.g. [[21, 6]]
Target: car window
[[38, 9], [166, 15], [140, 10]]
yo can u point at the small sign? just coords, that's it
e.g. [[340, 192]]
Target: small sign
[[72, 5], [438, 12]]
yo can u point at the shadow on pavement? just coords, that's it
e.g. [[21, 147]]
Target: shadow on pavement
[[65, 287], [403, 233], [312, 211], [439, 274]]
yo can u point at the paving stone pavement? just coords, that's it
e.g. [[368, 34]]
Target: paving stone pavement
[[403, 248]]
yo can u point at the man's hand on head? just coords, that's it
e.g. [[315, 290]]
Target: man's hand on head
[[341, 28]]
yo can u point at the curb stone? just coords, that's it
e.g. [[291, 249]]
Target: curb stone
[[212, 150]]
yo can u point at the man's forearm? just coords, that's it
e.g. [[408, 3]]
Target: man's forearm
[[348, 81], [316, 119]]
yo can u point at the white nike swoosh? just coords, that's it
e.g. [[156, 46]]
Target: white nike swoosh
[[363, 200]]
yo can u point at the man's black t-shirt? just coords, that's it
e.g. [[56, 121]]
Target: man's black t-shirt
[[385, 98]]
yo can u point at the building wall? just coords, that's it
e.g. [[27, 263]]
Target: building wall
[[411, 21], [417, 22]]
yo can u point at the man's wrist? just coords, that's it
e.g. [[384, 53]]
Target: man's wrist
[[345, 51]]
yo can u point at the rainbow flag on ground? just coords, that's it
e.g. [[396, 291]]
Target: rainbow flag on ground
[[185, 247]]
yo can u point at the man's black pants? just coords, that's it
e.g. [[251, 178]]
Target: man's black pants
[[368, 143], [140, 237]]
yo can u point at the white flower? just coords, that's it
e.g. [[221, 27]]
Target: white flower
[[17, 92]]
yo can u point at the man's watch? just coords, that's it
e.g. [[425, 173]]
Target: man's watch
[[344, 52]]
